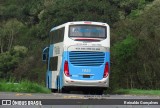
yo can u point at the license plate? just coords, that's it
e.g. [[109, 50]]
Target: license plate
[[86, 76]]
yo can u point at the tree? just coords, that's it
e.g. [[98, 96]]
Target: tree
[[143, 68], [124, 53], [8, 32]]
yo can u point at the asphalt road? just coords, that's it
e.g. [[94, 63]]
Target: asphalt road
[[64, 100]]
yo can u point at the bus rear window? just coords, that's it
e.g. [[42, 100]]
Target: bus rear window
[[88, 31]]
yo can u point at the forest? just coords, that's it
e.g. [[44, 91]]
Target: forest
[[135, 37]]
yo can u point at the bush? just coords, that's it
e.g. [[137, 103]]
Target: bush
[[9, 60]]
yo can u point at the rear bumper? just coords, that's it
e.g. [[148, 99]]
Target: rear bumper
[[86, 83]]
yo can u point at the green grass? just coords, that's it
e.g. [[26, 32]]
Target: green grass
[[137, 92], [24, 86]]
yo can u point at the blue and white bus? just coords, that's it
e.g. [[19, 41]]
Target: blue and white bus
[[78, 56]]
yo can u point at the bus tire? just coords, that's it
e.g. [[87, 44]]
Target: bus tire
[[64, 90], [54, 90]]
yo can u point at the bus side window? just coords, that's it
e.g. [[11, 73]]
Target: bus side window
[[53, 63], [57, 36]]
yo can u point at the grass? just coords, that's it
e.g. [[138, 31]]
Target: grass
[[31, 87], [24, 86], [137, 92]]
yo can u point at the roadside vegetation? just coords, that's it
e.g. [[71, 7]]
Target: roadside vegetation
[[137, 92], [23, 86]]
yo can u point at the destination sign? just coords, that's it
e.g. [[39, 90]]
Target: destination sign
[[81, 48]]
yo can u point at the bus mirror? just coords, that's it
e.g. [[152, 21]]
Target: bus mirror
[[44, 57], [45, 54]]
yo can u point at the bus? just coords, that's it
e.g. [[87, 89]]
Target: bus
[[78, 57]]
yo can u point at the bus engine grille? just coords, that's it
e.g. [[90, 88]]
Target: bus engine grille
[[86, 58]]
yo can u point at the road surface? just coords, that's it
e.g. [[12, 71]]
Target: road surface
[[126, 101]]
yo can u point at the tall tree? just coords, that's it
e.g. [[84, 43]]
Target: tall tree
[[8, 32]]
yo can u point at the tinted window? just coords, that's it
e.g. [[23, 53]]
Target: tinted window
[[57, 36], [53, 63], [87, 31]]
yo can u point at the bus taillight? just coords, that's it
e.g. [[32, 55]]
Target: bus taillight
[[66, 68], [106, 70], [88, 22]]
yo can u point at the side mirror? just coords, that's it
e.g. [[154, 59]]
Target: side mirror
[[44, 57], [45, 54]]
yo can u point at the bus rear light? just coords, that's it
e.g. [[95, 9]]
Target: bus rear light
[[106, 70], [66, 68], [87, 22]]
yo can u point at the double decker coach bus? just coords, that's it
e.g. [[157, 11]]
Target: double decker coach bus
[[78, 56]]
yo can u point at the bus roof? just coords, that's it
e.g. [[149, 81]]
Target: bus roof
[[78, 22]]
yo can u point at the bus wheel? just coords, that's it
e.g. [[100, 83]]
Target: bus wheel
[[64, 90]]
